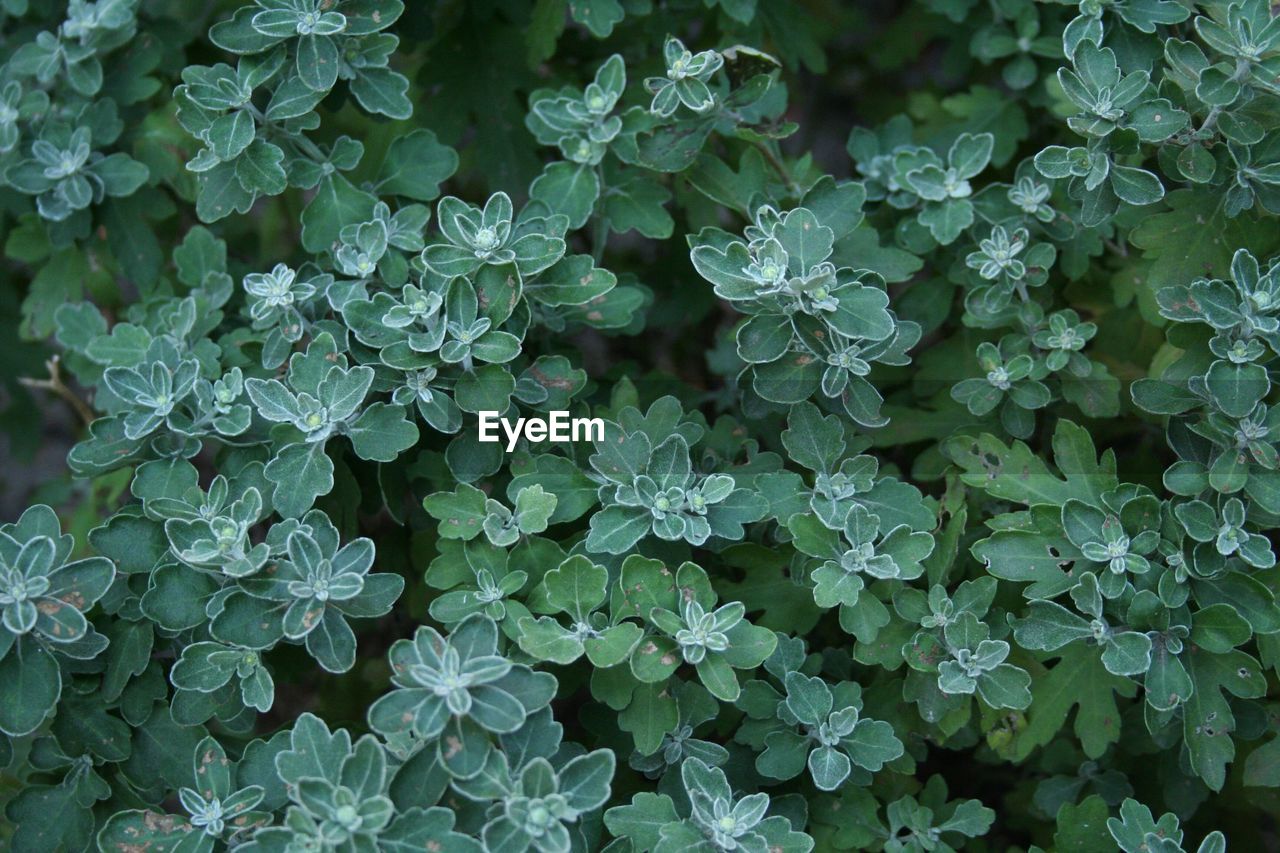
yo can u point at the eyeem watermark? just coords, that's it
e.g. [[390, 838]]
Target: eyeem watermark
[[556, 426]]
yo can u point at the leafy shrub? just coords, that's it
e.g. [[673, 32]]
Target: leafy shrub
[[934, 493]]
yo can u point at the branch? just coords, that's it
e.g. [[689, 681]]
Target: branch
[[54, 383]]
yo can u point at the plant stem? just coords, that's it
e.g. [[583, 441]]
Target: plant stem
[[778, 166], [55, 384], [600, 222], [297, 141]]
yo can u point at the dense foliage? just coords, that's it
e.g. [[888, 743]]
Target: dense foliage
[[934, 499]]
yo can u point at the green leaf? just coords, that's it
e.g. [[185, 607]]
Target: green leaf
[[33, 684], [574, 492], [486, 388], [613, 645], [615, 529], [336, 204], [382, 432], [1012, 472], [231, 134], [599, 16], [415, 166], [382, 91], [259, 169], [460, 512], [221, 193], [873, 744], [808, 698], [545, 639], [970, 153], [650, 715], [718, 676], [638, 204], [946, 219], [568, 188], [301, 473], [1083, 827], [199, 254], [58, 281], [1136, 186], [1078, 679], [127, 655], [1194, 238], [317, 62], [806, 240], [829, 767], [814, 440], [293, 98], [642, 820], [785, 754], [1208, 720], [132, 239], [584, 780], [1262, 767], [1237, 388], [655, 659], [50, 817], [576, 586]]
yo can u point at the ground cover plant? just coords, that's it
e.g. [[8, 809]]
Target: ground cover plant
[[933, 501]]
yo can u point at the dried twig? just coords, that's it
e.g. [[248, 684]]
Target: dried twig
[[54, 383]]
